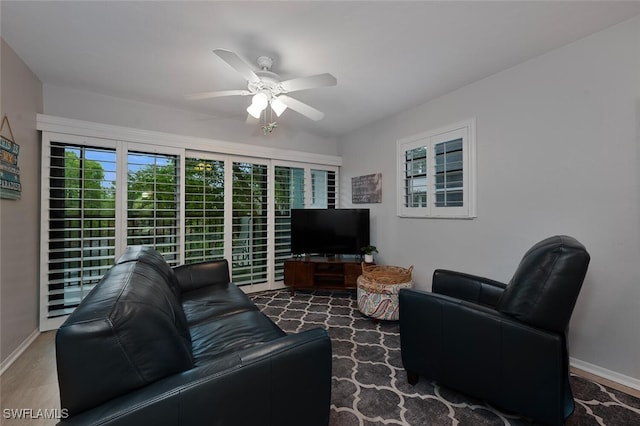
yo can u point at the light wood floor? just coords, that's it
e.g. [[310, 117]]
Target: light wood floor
[[31, 382]]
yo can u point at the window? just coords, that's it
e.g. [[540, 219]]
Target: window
[[204, 210], [191, 204], [323, 189], [289, 194], [249, 229], [81, 223], [436, 173], [152, 203]]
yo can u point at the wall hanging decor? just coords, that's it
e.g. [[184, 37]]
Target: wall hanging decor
[[366, 189], [10, 187]]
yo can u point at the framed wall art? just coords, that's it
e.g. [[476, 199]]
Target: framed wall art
[[366, 189]]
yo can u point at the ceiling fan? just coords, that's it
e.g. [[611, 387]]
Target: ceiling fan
[[267, 89]]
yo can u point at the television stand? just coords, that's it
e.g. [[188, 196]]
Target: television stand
[[322, 272]]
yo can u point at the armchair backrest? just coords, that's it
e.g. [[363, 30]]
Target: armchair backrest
[[545, 287]]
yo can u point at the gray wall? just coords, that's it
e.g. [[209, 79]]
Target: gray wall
[[20, 219], [557, 153]]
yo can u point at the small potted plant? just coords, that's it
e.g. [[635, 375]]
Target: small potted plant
[[368, 253]]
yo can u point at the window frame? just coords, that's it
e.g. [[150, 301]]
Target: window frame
[[428, 140]]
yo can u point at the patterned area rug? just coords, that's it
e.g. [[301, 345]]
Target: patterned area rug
[[369, 385]]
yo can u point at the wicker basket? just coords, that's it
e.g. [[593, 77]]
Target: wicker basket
[[386, 274], [378, 289]]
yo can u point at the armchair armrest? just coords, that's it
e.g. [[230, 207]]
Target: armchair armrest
[[197, 275], [471, 288]]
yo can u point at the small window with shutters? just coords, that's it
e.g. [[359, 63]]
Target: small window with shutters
[[436, 173]]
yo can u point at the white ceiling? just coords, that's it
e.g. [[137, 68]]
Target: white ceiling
[[387, 56]]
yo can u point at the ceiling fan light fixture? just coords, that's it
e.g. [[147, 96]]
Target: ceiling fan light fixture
[[254, 110], [277, 106], [260, 100]]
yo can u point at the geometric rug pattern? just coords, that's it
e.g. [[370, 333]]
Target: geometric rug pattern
[[369, 385]]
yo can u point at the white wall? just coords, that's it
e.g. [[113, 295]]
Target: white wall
[[89, 106], [557, 153], [20, 219]]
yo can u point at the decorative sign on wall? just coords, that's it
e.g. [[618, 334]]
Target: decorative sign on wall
[[366, 189], [10, 187]]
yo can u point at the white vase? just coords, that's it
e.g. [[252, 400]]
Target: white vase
[[368, 258]]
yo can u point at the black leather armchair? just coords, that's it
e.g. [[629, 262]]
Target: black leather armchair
[[504, 344]]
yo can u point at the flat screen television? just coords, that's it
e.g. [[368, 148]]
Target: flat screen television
[[329, 231]]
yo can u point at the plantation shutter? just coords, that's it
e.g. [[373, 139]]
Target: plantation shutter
[[448, 174], [415, 177], [323, 189], [289, 194], [152, 203], [81, 223], [204, 210], [331, 189], [249, 223]]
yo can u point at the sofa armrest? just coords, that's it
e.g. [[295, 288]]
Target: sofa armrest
[[283, 382], [471, 288], [197, 275]]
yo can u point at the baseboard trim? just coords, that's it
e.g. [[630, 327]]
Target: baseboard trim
[[609, 375], [18, 351]]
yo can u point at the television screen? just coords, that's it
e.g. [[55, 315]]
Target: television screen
[[329, 231]]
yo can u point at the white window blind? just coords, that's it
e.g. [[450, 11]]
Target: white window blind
[[152, 203], [81, 223], [323, 189], [204, 210], [289, 194], [449, 173], [249, 223], [415, 177]]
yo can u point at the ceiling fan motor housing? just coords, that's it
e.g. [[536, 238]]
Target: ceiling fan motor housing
[[269, 81]]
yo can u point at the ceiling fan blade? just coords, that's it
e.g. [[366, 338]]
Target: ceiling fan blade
[[237, 64], [302, 108], [207, 95], [303, 83]]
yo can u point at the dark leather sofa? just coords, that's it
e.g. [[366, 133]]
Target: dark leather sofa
[[504, 344], [155, 345]]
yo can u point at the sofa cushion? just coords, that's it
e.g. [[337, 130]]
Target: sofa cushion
[[129, 331], [214, 301], [193, 276], [545, 287], [218, 336]]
